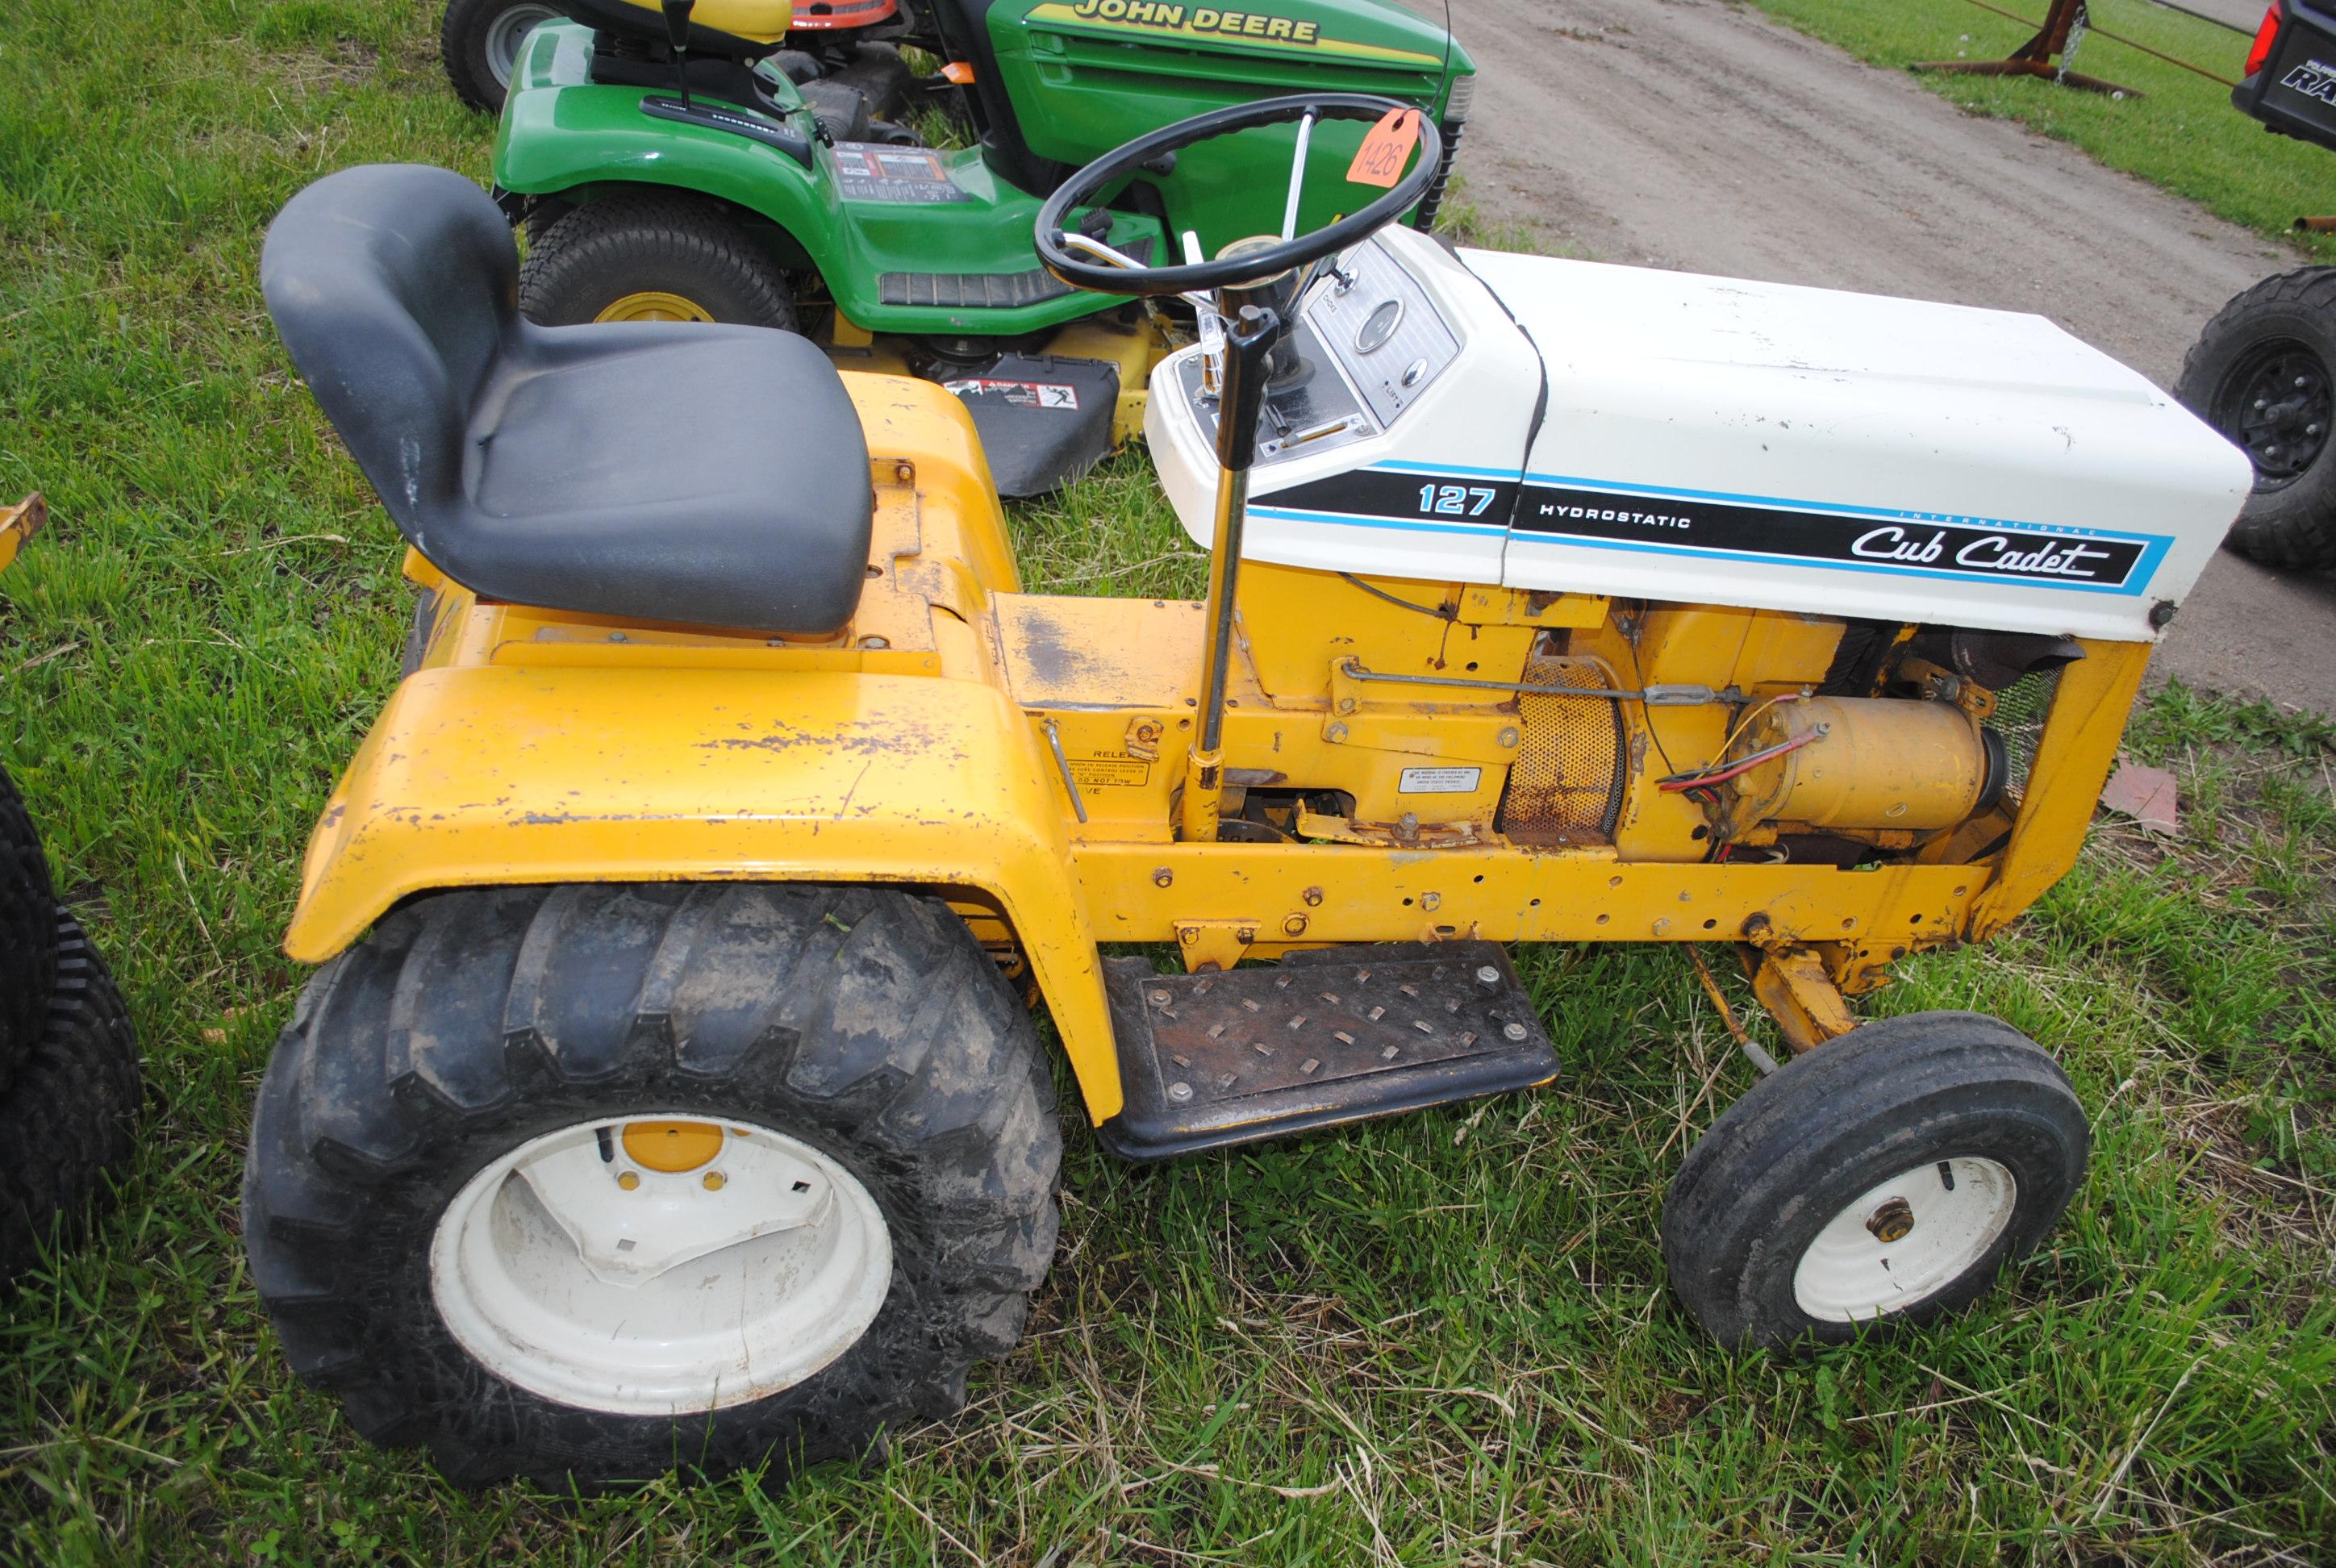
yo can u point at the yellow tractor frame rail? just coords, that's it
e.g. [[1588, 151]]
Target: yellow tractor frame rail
[[1019, 755]]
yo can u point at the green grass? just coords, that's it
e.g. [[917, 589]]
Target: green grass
[[2180, 133], [1440, 1339]]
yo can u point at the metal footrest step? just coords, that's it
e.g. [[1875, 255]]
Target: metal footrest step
[[1328, 1035]]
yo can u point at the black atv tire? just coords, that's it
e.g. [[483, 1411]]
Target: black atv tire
[[1891, 1102], [2254, 351], [65, 1121], [477, 40], [28, 933], [866, 1023], [645, 240]]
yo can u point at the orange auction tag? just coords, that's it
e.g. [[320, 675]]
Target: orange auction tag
[[1387, 149]]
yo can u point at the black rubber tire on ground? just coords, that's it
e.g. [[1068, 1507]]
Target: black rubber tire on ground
[[66, 1121], [1891, 1098], [470, 34], [646, 240], [866, 1022], [2290, 520], [28, 932]]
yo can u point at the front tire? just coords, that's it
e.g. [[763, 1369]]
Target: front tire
[[65, 1121], [1880, 1180], [2263, 375], [440, 1222], [28, 933], [479, 42], [648, 255]]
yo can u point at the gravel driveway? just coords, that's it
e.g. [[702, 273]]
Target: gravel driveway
[[1699, 135]]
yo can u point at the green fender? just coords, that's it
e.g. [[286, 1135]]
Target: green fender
[[561, 135]]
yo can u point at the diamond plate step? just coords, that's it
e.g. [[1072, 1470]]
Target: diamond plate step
[[1328, 1035]]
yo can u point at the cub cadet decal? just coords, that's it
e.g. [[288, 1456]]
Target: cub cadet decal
[[1921, 544], [1213, 23], [1724, 528]]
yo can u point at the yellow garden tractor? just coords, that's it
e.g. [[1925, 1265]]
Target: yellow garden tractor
[[669, 1093]]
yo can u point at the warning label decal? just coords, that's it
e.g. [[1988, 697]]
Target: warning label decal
[[1019, 393], [1439, 781], [1110, 772], [870, 171]]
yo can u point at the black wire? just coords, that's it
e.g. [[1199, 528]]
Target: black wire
[[1440, 612], [1639, 678]]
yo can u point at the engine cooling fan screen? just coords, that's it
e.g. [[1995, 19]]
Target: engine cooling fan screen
[[1566, 785]]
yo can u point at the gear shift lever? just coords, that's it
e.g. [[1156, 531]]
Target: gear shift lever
[[676, 33]]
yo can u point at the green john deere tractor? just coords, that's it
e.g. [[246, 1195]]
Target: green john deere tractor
[[665, 167]]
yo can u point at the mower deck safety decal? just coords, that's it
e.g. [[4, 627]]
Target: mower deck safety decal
[[1019, 394], [1927, 544], [1215, 24]]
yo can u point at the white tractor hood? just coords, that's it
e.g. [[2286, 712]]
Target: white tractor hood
[[1658, 436], [1758, 443]]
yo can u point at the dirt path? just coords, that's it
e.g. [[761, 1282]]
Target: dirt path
[[1699, 135]]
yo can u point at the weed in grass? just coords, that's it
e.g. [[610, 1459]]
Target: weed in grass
[[1439, 1339]]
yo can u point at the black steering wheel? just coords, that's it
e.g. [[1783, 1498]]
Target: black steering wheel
[[1252, 267]]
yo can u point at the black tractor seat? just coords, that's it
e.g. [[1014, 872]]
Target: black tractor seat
[[670, 471]]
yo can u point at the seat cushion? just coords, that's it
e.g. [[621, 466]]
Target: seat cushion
[[742, 28], [671, 472]]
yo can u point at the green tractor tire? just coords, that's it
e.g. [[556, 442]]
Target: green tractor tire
[[651, 255]]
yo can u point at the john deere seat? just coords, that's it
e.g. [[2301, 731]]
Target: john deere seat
[[713, 475], [731, 29]]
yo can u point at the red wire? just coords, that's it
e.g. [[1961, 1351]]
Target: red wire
[[1704, 781]]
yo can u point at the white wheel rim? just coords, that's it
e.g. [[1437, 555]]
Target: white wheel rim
[[672, 1295], [506, 33], [1905, 1240]]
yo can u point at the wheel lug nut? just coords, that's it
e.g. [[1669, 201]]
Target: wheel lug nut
[[715, 1180], [627, 1180]]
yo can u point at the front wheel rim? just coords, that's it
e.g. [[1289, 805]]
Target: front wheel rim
[[506, 33], [1905, 1240], [592, 1268], [654, 304]]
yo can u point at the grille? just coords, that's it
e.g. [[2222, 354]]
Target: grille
[[2021, 709], [1566, 785]]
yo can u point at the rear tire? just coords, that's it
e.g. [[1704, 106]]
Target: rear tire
[[2241, 377], [478, 42], [1879, 1181], [865, 1025], [603, 260], [28, 933], [67, 1120]]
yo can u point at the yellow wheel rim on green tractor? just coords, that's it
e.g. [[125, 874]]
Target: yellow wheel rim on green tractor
[[654, 304]]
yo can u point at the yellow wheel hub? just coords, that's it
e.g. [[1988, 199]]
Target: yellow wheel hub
[[672, 1146], [654, 304]]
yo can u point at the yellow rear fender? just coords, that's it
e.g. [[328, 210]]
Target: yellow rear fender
[[481, 775]]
